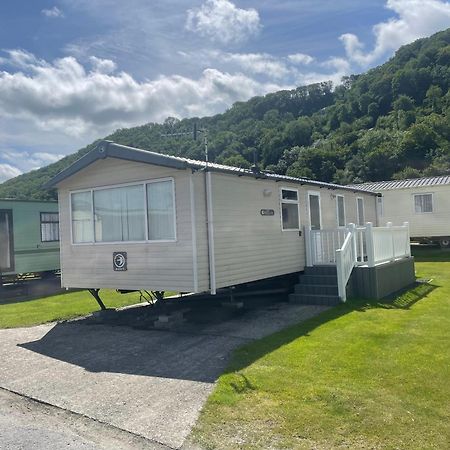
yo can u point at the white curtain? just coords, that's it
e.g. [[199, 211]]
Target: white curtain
[[423, 203], [82, 230], [161, 213], [49, 227], [119, 214]]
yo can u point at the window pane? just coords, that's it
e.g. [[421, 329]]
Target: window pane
[[5, 249], [119, 214], [289, 212], [380, 206], [423, 203], [161, 214], [82, 217], [360, 211], [341, 214], [289, 195], [314, 212], [49, 232]]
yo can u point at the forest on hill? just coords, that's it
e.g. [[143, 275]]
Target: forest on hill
[[390, 122]]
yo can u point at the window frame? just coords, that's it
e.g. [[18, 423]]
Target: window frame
[[363, 211], [133, 183], [290, 202], [337, 210], [317, 194], [432, 202], [41, 222]]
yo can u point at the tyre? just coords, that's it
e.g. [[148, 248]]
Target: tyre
[[444, 242]]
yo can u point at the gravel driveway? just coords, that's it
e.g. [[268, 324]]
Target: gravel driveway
[[146, 382]]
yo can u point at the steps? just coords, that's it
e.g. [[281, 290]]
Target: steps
[[317, 286]]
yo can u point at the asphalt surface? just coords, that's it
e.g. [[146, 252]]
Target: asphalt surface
[[147, 383]]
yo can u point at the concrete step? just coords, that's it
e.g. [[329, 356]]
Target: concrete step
[[318, 279], [311, 299], [316, 289], [320, 270]]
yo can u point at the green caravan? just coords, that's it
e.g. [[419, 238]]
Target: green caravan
[[29, 238]]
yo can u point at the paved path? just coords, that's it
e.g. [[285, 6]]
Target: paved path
[[151, 383]]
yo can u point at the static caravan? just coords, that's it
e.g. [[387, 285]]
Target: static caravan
[[423, 202], [29, 237], [132, 219]]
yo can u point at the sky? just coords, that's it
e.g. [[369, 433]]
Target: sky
[[72, 71]]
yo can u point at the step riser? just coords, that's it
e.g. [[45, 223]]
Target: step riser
[[314, 300], [320, 270], [318, 279], [316, 289]]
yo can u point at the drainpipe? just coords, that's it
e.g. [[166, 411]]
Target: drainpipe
[[210, 231]]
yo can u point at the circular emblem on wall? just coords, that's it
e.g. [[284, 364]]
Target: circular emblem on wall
[[120, 261]]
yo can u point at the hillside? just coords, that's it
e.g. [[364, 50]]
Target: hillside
[[391, 122]]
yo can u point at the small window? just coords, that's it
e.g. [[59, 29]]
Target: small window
[[49, 227], [423, 203], [360, 210], [380, 206], [82, 223], [340, 210], [290, 210]]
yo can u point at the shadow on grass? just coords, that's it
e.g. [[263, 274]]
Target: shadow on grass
[[247, 354]]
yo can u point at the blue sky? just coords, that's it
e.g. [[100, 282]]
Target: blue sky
[[72, 71]]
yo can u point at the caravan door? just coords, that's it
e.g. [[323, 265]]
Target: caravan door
[[6, 241]]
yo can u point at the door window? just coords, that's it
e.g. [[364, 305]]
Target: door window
[[314, 211]]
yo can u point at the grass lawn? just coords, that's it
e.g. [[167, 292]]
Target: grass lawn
[[362, 375], [58, 307]]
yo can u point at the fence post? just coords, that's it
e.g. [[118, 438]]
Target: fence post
[[369, 245], [389, 225], [408, 243], [352, 229], [309, 259], [340, 276]]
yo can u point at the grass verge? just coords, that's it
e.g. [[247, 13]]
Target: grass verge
[[59, 307], [361, 375]]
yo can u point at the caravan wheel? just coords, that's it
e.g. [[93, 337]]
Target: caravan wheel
[[444, 242]]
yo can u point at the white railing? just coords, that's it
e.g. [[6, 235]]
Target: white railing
[[323, 245], [356, 246], [345, 261]]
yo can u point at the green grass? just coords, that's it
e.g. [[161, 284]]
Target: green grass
[[373, 375], [58, 307]]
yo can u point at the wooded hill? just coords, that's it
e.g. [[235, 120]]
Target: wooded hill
[[391, 122]]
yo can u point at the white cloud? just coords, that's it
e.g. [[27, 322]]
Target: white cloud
[[62, 95], [102, 65], [53, 12], [416, 19], [7, 171], [300, 58], [222, 21], [256, 63]]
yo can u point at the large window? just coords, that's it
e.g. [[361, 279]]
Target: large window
[[423, 203], [290, 209], [139, 212], [49, 227], [119, 214], [340, 210], [360, 210]]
